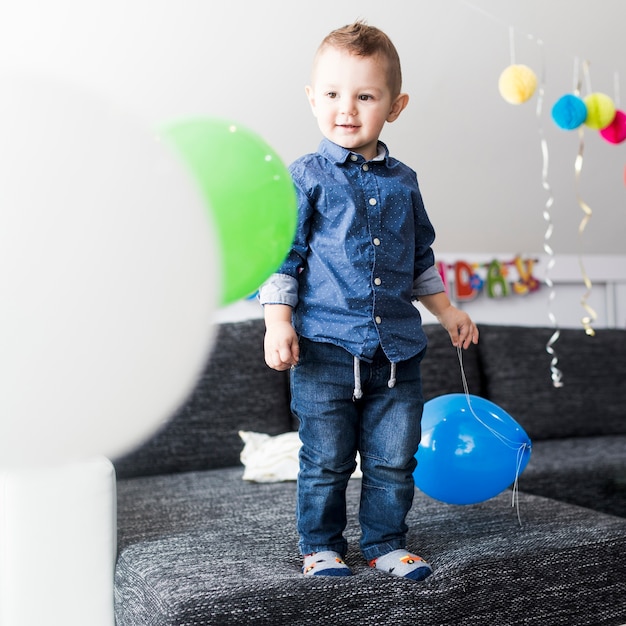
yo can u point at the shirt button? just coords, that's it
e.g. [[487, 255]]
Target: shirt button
[[376, 241], [353, 157], [377, 281], [378, 319], [372, 201], [365, 167]]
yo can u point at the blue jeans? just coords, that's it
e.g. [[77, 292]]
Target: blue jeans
[[384, 426]]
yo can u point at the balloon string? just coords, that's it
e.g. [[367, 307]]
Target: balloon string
[[555, 372], [518, 471], [591, 316], [514, 445], [507, 442]]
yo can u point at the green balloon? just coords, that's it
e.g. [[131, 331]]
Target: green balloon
[[249, 194]]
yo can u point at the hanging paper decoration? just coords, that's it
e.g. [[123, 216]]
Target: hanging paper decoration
[[441, 268], [517, 83], [600, 110], [527, 282], [476, 282], [615, 132], [499, 279], [464, 281], [597, 111], [569, 112], [496, 280]]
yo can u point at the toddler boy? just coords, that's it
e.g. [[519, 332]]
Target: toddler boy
[[340, 311]]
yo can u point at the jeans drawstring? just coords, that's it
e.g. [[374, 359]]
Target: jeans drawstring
[[358, 391], [392, 377]]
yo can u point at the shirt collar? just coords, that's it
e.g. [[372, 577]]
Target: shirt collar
[[338, 154]]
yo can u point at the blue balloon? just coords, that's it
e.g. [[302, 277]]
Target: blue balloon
[[471, 450]]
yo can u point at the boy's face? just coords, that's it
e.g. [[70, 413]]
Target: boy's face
[[351, 99]]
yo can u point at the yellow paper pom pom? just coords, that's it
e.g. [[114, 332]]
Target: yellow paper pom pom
[[517, 84], [600, 110]]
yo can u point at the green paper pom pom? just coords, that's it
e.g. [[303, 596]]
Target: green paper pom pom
[[600, 110]]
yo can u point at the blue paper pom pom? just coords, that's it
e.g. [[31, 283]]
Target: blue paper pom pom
[[569, 112]]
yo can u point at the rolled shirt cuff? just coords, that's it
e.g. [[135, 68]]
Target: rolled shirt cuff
[[279, 289], [428, 282]]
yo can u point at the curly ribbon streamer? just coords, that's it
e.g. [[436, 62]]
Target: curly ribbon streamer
[[591, 316], [555, 372]]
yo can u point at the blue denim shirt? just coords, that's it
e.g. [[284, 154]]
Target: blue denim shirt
[[361, 254]]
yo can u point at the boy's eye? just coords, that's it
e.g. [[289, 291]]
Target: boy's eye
[[331, 94], [365, 97]]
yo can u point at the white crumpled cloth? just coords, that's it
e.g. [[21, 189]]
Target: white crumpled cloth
[[271, 459]]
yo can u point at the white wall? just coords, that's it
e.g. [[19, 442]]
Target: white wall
[[477, 157]]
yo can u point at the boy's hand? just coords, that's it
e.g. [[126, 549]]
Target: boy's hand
[[281, 345], [460, 327]]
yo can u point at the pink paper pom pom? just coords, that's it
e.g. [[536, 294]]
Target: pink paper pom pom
[[615, 132]]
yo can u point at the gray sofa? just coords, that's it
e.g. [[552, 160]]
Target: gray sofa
[[199, 546]]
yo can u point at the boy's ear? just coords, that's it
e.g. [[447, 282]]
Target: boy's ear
[[397, 106], [310, 94]]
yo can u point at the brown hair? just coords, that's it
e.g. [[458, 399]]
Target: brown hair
[[367, 41]]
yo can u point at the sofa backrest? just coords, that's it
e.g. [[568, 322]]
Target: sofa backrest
[[510, 367], [236, 391], [441, 368], [592, 400]]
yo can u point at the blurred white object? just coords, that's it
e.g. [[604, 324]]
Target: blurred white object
[[108, 276], [58, 545]]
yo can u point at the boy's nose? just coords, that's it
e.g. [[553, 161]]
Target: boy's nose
[[348, 107]]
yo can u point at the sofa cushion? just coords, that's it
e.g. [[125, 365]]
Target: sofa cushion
[[236, 391], [592, 401], [207, 548], [588, 471], [441, 370]]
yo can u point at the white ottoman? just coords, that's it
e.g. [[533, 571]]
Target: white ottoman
[[58, 544]]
